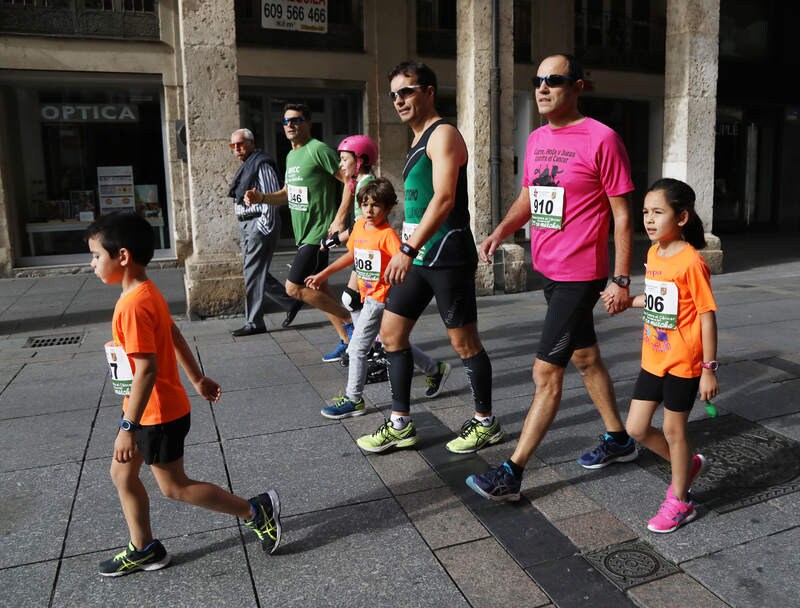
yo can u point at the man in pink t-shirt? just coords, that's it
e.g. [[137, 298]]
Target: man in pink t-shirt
[[576, 177]]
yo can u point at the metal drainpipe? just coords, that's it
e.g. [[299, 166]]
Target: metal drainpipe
[[494, 118]]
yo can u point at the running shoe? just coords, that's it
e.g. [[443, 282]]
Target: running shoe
[[435, 383], [153, 557], [474, 435], [266, 523], [672, 514], [387, 436], [698, 466], [344, 407], [349, 328], [336, 353], [498, 484], [609, 452]]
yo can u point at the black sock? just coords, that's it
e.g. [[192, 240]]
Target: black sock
[[621, 437], [401, 369], [479, 373], [515, 468]]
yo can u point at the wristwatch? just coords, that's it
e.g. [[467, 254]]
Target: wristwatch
[[408, 250], [129, 425], [622, 280], [712, 365]]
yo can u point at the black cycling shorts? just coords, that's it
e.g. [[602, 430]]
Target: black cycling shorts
[[453, 287], [677, 394], [569, 322], [308, 260]]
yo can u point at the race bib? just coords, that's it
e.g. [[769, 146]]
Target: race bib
[[120, 368], [368, 264], [547, 206], [408, 230], [298, 197], [660, 304]]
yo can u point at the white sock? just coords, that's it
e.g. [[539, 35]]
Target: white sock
[[399, 422], [485, 420]]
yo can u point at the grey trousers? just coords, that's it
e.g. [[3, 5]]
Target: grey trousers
[[257, 251], [367, 327]]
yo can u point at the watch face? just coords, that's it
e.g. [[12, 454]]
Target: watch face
[[622, 281]]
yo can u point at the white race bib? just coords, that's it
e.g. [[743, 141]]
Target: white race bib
[[368, 264], [547, 206], [298, 197], [408, 230], [660, 304], [120, 368]]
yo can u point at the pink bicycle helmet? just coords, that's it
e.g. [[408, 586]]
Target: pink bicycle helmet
[[360, 145]]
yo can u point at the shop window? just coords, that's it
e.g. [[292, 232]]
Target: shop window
[[76, 152], [344, 21], [436, 28]]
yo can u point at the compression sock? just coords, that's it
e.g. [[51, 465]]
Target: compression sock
[[401, 369], [479, 373]]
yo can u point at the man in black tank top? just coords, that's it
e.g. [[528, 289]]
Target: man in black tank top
[[437, 258]]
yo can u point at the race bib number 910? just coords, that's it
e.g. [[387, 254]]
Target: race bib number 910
[[660, 304], [547, 206]]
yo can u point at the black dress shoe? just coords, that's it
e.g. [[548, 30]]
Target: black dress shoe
[[291, 314], [248, 330]]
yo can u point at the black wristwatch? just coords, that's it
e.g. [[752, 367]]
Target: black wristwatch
[[129, 425], [622, 281], [408, 250]]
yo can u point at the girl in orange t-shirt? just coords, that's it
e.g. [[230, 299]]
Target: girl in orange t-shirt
[[679, 342]]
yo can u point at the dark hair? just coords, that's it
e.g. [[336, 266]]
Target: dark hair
[[575, 67], [381, 191], [298, 107], [124, 230], [681, 197], [422, 72]]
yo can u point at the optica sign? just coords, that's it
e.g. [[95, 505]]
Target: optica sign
[[89, 112]]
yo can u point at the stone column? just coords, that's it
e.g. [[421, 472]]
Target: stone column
[[690, 104], [474, 78], [211, 96]]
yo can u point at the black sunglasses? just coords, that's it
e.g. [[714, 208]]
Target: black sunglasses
[[553, 80], [405, 91], [294, 120]]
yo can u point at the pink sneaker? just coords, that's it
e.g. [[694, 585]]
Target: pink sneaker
[[672, 514], [698, 466]]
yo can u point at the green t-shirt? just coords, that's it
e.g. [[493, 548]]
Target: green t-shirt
[[311, 189]]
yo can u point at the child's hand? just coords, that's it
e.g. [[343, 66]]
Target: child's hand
[[124, 446], [314, 281], [709, 387], [208, 389]]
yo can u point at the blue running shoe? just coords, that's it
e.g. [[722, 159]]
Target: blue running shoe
[[336, 353], [608, 452], [496, 484], [344, 407], [349, 328]]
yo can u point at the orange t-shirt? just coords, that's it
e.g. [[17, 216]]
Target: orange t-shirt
[[372, 249], [142, 325], [677, 292]]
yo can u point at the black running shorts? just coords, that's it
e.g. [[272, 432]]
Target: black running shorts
[[308, 260], [677, 394], [162, 443]]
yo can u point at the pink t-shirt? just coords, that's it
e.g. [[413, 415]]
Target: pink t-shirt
[[590, 162]]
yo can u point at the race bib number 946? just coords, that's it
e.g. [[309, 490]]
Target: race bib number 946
[[660, 304], [547, 206]]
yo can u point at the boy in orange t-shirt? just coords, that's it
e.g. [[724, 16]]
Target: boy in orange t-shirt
[[143, 358], [371, 244]]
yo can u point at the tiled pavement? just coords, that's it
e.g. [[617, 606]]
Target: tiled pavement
[[398, 528]]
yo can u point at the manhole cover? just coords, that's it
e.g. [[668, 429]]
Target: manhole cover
[[45, 341], [630, 564], [747, 463]]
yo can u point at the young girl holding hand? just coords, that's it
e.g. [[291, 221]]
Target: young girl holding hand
[[679, 342]]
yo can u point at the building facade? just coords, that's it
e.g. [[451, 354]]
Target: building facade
[[109, 105]]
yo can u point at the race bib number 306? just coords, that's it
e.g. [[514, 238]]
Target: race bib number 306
[[298, 197], [368, 264], [660, 304], [547, 206], [120, 368]]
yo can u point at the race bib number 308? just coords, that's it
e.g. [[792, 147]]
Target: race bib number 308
[[547, 206], [368, 264], [660, 304]]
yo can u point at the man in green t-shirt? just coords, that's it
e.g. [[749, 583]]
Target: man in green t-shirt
[[312, 169]]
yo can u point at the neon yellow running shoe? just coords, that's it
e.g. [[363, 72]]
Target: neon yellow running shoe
[[387, 436], [474, 436]]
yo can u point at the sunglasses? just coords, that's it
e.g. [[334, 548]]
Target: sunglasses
[[405, 91], [553, 80], [294, 120]]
